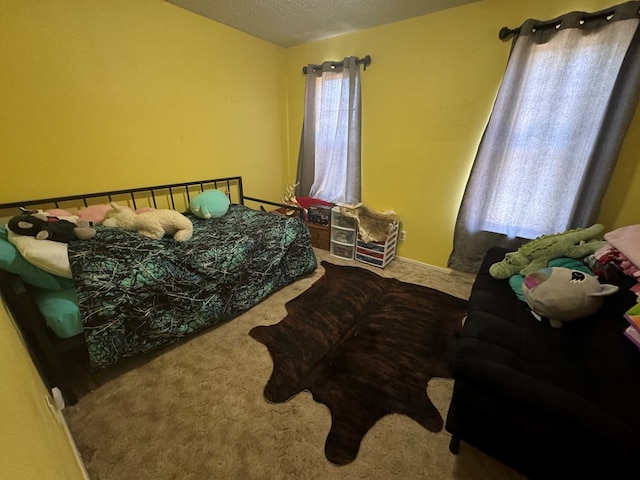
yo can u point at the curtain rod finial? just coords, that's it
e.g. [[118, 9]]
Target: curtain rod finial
[[506, 32], [367, 61]]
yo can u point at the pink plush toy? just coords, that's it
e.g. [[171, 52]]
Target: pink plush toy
[[93, 214]]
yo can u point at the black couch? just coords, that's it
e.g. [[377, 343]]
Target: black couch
[[550, 403]]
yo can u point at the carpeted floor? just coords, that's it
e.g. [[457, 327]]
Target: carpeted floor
[[197, 411]]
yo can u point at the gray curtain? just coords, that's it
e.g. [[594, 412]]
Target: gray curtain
[[329, 159], [547, 154]]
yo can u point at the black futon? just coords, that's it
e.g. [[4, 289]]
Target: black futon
[[550, 403]]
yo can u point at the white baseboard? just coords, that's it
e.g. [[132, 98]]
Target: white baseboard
[[446, 271], [63, 422]]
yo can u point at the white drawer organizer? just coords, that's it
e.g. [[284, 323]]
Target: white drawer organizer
[[378, 253], [343, 234], [347, 243]]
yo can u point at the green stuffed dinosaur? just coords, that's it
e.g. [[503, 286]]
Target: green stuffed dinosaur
[[537, 253]]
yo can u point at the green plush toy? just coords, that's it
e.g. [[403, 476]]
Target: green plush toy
[[537, 253], [212, 203]]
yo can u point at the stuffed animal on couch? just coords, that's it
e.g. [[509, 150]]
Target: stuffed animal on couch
[[562, 294], [537, 253], [45, 227], [153, 224]]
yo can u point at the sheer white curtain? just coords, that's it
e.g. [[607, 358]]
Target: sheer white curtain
[[567, 97], [329, 161]]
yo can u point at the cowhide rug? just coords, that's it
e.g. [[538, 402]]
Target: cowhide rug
[[365, 346]]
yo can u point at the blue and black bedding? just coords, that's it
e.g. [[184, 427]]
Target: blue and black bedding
[[137, 294]]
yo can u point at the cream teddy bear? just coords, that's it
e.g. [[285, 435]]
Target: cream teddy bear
[[154, 224]]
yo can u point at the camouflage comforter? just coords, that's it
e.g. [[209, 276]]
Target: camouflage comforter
[[137, 294]]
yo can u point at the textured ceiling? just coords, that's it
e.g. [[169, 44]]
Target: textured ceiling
[[293, 22]]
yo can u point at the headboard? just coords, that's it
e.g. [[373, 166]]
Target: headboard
[[175, 196]]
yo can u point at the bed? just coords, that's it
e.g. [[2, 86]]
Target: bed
[[133, 294]]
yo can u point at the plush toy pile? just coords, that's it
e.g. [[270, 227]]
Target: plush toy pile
[[153, 224], [537, 253], [548, 275]]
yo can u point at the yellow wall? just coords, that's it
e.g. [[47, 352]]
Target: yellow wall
[[33, 445], [105, 95], [426, 100], [101, 95]]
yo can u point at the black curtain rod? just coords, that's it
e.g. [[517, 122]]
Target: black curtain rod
[[366, 61], [506, 32]]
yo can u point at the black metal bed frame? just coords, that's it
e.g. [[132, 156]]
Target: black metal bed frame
[[49, 353], [187, 187]]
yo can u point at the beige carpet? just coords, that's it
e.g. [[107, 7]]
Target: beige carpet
[[196, 411]]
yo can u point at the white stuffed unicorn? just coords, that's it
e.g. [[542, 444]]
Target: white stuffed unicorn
[[154, 224]]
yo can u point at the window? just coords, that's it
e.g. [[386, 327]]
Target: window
[[329, 162], [565, 103]]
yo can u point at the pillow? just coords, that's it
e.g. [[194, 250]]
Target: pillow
[[94, 213], [144, 210], [58, 212], [60, 310], [12, 261], [48, 255]]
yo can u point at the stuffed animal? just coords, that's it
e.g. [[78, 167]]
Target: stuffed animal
[[536, 254], [45, 227], [562, 294], [212, 203], [153, 224], [516, 281]]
